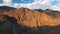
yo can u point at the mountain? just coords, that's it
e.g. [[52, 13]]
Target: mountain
[[40, 10], [50, 12], [29, 17], [27, 21], [6, 8]]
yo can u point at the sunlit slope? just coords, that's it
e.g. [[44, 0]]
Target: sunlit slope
[[33, 18]]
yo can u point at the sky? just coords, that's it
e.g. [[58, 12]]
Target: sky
[[32, 4]]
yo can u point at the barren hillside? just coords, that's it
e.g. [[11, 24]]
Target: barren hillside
[[34, 18], [27, 21]]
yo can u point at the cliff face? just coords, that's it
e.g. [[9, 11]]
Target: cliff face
[[34, 18]]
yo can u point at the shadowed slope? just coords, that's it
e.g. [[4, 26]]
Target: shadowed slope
[[8, 25], [6, 8]]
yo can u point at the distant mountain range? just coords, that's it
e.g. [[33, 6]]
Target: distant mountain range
[[6, 8], [27, 21]]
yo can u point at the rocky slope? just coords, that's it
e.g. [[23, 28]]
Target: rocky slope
[[26, 21], [34, 18]]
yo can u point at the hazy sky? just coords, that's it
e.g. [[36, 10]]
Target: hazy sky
[[32, 4]]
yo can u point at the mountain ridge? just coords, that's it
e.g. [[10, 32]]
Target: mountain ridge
[[12, 8], [31, 18], [6, 8]]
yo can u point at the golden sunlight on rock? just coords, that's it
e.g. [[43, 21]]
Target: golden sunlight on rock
[[32, 18]]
